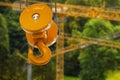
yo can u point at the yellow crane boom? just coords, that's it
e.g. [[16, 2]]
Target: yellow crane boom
[[78, 11], [85, 42], [88, 12]]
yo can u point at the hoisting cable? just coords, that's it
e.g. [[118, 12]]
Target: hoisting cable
[[18, 53], [27, 3], [29, 66], [20, 5], [55, 11], [50, 1]]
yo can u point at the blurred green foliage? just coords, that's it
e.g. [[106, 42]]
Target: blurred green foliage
[[90, 64], [113, 75], [4, 44], [4, 39], [96, 60], [94, 3], [71, 78]]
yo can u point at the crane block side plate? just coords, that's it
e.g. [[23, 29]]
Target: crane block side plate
[[35, 17]]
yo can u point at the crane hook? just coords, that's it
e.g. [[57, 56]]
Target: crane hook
[[41, 59], [41, 31]]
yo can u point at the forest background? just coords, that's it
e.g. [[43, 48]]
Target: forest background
[[92, 63]]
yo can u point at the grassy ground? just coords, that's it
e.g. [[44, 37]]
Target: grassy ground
[[113, 75], [71, 78]]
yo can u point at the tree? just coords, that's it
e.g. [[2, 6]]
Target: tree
[[16, 34], [4, 38], [8, 0], [94, 3], [96, 60], [85, 2], [4, 45], [60, 1], [72, 64], [12, 38], [113, 4], [46, 72]]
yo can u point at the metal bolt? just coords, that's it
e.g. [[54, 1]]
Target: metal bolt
[[35, 16]]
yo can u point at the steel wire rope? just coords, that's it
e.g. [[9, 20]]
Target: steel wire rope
[[18, 53]]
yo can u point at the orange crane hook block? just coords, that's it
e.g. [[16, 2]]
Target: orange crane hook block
[[41, 31]]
